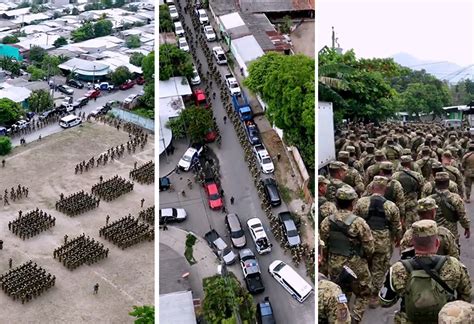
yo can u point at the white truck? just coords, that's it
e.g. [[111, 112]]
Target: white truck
[[232, 84], [326, 147]]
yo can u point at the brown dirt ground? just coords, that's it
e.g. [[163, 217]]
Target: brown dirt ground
[[126, 277]]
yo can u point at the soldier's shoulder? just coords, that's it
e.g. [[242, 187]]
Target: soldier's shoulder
[[443, 231], [329, 287]]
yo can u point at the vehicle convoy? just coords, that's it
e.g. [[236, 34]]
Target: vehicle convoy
[[232, 84], [237, 235], [219, 247], [209, 33], [251, 271], [263, 158], [289, 227], [219, 55], [242, 107], [253, 134], [259, 236], [326, 147]]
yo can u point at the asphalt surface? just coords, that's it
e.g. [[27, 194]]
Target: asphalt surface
[[118, 95], [237, 182]]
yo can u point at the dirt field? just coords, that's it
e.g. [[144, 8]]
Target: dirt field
[[126, 277]]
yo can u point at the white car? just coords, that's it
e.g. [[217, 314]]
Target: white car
[[168, 215], [183, 44], [189, 157], [196, 79], [95, 112], [173, 12], [259, 236], [264, 159], [202, 15], [209, 33], [178, 29], [218, 53], [21, 124], [104, 86], [130, 98]]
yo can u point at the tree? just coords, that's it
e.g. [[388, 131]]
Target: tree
[[5, 145], [145, 314], [133, 41], [120, 75], [194, 122], [11, 65], [103, 28], [174, 62], [66, 11], [136, 59], [61, 41], [50, 64], [166, 23], [37, 54], [85, 32], [285, 27], [148, 98], [223, 296], [119, 3], [423, 98], [10, 111], [23, 4], [40, 100], [10, 39], [36, 73], [107, 3], [286, 84], [148, 66]]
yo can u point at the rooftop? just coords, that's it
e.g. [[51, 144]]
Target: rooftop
[[248, 48], [177, 308], [174, 87], [85, 67], [222, 7], [17, 94], [275, 5]]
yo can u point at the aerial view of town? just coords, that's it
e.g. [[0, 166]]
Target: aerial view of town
[[236, 161], [77, 161]]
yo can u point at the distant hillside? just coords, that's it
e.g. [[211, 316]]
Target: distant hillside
[[442, 70]]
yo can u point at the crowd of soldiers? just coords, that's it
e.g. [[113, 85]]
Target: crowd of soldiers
[[112, 189], [80, 250], [147, 215], [15, 194], [127, 231], [144, 174], [26, 281], [77, 203], [31, 224], [395, 187]]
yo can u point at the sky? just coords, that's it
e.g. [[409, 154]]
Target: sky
[[438, 30]]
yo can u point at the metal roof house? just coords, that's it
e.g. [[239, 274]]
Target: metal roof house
[[85, 70]]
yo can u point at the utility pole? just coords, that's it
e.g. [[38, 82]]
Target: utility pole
[[333, 38]]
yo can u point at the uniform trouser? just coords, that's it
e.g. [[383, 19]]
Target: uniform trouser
[[411, 215], [468, 184], [378, 267], [363, 286]]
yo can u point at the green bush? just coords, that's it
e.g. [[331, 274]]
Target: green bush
[[5, 145]]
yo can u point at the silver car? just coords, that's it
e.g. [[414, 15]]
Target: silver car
[[236, 232]]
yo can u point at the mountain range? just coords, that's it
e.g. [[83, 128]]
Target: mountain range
[[443, 70]]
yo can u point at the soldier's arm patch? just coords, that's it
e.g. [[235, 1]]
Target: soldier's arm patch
[[342, 313], [342, 299]]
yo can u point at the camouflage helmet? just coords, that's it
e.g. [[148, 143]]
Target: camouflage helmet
[[406, 159], [346, 192], [343, 155], [380, 180], [322, 179], [386, 165], [337, 165], [426, 204], [457, 311], [424, 228]]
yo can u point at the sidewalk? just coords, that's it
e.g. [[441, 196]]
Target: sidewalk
[[206, 265], [168, 162]]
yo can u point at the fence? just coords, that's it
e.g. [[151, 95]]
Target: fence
[[135, 119]]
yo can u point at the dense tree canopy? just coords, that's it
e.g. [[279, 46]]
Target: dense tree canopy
[[462, 93], [120, 75], [11, 65], [286, 84], [5, 145], [166, 23], [40, 100], [174, 62], [89, 30], [144, 314], [136, 59], [193, 122], [148, 68], [10, 112], [133, 41], [37, 54], [10, 39], [61, 41]]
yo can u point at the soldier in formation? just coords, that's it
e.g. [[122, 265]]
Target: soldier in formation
[[147, 215], [112, 189], [75, 252], [144, 174], [31, 224], [15, 193], [126, 232], [77, 203]]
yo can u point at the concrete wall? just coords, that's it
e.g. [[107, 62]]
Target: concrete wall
[[135, 119]]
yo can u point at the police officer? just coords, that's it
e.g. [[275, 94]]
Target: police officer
[[349, 242], [422, 299]]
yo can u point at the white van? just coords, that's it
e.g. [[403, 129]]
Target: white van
[[455, 123], [69, 121], [290, 280]]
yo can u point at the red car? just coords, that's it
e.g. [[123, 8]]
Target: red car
[[140, 80], [200, 98], [213, 196], [91, 94], [210, 136], [127, 85]]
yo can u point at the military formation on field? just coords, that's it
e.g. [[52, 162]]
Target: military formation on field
[[80, 250], [147, 215], [403, 189], [15, 194], [126, 232], [144, 174], [77, 203], [31, 223], [26, 282], [113, 188]]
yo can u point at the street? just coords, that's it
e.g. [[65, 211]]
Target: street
[[237, 182]]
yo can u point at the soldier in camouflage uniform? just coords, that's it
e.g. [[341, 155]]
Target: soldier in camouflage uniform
[[456, 312], [337, 172], [383, 218], [368, 157], [374, 169], [468, 166], [425, 162], [352, 142], [332, 302], [349, 241], [427, 210], [353, 162], [451, 209], [399, 281], [413, 165], [454, 173], [429, 186], [392, 150], [412, 183], [353, 177], [326, 208]]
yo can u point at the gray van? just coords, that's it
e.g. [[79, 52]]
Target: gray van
[[236, 232]]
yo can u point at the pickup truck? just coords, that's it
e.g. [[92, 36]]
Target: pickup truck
[[200, 98], [251, 271], [219, 246], [232, 84], [259, 236], [242, 107], [253, 134]]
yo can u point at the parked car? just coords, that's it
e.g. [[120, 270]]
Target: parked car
[[105, 86], [173, 12], [236, 232], [259, 236], [21, 124], [130, 98], [170, 215], [45, 114], [183, 44], [65, 89], [291, 280], [209, 33], [190, 156], [213, 197], [196, 79], [253, 134], [200, 98], [219, 246], [140, 80], [127, 85], [92, 94], [202, 16], [3, 131], [251, 271], [265, 312], [178, 29], [289, 227], [95, 112], [219, 55], [264, 160], [81, 102], [210, 136], [75, 84], [271, 191]]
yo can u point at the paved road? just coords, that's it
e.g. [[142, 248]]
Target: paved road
[[236, 181], [105, 96]]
